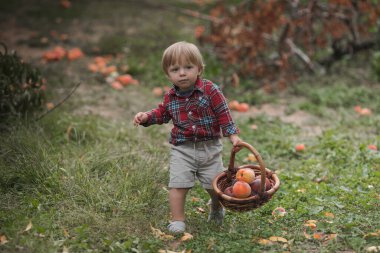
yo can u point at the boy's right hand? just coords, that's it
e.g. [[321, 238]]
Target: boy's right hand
[[140, 118]]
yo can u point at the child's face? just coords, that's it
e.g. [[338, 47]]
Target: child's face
[[183, 75]]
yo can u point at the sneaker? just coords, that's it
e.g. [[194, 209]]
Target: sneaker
[[177, 227]]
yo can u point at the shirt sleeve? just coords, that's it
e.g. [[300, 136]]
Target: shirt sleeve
[[222, 112], [158, 115]]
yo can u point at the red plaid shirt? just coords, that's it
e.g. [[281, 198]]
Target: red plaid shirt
[[201, 116]]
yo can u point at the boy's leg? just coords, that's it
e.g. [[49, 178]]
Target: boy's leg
[[217, 211], [177, 197], [215, 204]]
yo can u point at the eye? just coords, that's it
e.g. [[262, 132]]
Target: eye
[[175, 69], [189, 66]]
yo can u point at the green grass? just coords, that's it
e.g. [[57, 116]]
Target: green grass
[[90, 184]]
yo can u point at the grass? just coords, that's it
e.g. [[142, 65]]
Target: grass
[[90, 184]]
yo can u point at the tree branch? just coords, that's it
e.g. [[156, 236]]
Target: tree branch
[[59, 103]]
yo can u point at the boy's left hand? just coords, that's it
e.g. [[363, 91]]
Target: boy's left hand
[[235, 140]]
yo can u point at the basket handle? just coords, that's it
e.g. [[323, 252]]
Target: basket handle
[[231, 166]]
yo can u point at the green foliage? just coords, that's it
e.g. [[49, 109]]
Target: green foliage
[[375, 63], [21, 86]]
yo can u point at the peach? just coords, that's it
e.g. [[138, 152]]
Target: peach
[[241, 189], [228, 191], [372, 147], [256, 184], [247, 175], [300, 147]]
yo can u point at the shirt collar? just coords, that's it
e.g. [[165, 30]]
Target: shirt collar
[[197, 86]]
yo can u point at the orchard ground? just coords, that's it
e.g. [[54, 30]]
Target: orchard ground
[[83, 179]]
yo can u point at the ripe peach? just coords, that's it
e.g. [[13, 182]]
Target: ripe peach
[[243, 107], [157, 91], [300, 147], [372, 147], [228, 191], [241, 189], [247, 175], [256, 184], [233, 104]]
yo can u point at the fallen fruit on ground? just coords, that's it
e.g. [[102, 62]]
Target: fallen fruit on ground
[[243, 107], [372, 147], [74, 53], [246, 175], [300, 147], [241, 189]]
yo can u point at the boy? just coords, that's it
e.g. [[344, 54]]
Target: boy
[[200, 116]]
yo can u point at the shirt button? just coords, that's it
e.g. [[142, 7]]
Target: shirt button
[[190, 113], [193, 127], [187, 99]]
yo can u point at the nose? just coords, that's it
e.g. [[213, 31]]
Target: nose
[[181, 71]]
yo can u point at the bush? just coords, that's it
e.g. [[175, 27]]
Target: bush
[[376, 65], [21, 86]]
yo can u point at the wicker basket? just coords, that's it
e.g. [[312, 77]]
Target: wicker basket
[[226, 178]]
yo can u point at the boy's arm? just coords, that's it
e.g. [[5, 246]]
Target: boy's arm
[[158, 115], [222, 112]]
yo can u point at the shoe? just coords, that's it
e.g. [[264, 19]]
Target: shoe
[[177, 227]]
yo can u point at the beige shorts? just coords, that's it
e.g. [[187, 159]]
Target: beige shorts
[[201, 160]]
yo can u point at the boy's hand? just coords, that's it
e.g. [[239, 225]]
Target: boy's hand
[[140, 118], [234, 139]]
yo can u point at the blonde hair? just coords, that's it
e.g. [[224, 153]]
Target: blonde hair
[[182, 52]]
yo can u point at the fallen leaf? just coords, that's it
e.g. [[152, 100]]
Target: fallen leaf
[[161, 235], [330, 215], [302, 190], [331, 236], [65, 250], [3, 239], [200, 209], [186, 237], [169, 251], [318, 236], [49, 105], [277, 239], [251, 158], [311, 225], [65, 233], [253, 127], [28, 227], [308, 236], [373, 249], [195, 199], [263, 241], [279, 212], [372, 234]]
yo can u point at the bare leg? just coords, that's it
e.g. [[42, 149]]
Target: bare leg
[[177, 197]]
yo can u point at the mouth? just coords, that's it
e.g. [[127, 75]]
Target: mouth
[[183, 81]]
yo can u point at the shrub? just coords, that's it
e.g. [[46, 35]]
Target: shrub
[[21, 86]]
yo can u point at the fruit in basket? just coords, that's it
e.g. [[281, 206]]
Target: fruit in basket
[[241, 189], [228, 191], [256, 184], [247, 175]]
